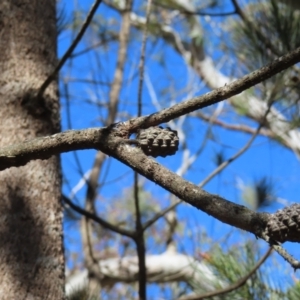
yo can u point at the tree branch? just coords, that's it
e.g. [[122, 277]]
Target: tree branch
[[235, 127], [182, 10], [44, 147], [105, 139], [98, 220], [161, 268], [95, 138], [219, 94], [204, 66], [109, 141], [225, 211], [224, 164]]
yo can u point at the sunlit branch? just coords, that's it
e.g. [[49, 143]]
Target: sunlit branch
[[197, 13]]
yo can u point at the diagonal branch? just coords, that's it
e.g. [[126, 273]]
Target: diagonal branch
[[98, 220], [223, 165], [219, 94], [225, 211], [96, 138], [235, 127], [68, 53]]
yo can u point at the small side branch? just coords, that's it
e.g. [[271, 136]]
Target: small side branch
[[98, 220], [219, 94], [71, 48]]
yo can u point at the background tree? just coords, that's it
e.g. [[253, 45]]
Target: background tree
[[139, 59]]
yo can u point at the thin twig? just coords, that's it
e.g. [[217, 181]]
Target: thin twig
[[140, 241], [160, 215], [239, 11], [234, 127], [86, 226], [69, 124], [142, 59], [98, 220], [281, 251], [91, 262], [219, 94], [85, 25], [289, 258], [223, 165]]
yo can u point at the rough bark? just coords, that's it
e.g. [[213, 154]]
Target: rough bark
[[31, 251]]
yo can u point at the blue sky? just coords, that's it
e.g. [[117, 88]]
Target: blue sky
[[265, 158]]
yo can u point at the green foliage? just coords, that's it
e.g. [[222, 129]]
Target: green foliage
[[241, 107], [230, 266], [293, 293], [235, 263], [269, 29]]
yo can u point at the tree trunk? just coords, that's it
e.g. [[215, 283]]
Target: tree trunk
[[31, 249]]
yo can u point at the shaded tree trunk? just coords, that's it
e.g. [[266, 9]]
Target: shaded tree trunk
[[31, 249]]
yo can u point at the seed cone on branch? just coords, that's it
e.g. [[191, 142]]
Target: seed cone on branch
[[158, 141], [284, 225]]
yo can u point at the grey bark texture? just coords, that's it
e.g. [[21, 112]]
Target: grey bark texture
[[31, 248]]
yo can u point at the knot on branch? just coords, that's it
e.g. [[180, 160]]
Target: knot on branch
[[284, 225], [158, 141]]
